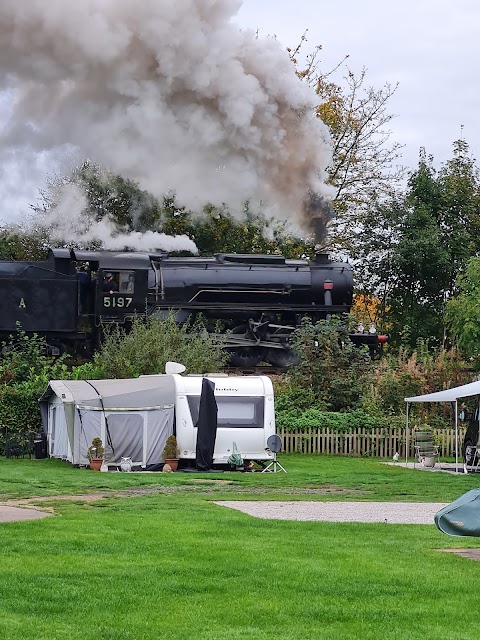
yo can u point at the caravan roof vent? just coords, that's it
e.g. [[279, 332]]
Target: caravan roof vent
[[174, 367]]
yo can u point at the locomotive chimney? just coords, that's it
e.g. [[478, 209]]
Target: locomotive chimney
[[322, 256]]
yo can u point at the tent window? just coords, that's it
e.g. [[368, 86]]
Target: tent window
[[233, 412]]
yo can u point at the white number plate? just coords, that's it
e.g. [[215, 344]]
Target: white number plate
[[120, 302]]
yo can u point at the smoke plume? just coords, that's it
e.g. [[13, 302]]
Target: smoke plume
[[70, 219], [168, 93]]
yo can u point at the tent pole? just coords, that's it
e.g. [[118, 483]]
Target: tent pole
[[456, 435], [406, 437]]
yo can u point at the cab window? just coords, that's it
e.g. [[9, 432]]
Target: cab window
[[126, 281]]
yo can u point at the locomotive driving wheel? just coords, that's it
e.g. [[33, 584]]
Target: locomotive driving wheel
[[245, 356], [285, 357]]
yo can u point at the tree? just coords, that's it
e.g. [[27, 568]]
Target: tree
[[17, 243], [129, 209], [332, 373], [377, 237], [463, 311], [106, 194], [458, 183], [218, 231], [419, 262], [433, 229], [364, 167]]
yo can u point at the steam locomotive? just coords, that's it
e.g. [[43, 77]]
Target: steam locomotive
[[259, 299]]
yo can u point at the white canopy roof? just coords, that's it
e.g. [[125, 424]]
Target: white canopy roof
[[449, 395]]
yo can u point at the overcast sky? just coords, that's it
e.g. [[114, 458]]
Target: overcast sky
[[431, 47]]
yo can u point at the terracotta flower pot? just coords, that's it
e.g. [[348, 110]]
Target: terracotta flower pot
[[173, 464], [96, 463]]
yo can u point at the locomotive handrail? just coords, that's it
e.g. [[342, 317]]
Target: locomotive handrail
[[254, 306], [282, 292], [158, 273], [253, 258]]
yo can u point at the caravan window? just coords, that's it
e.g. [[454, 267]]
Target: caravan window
[[233, 412]]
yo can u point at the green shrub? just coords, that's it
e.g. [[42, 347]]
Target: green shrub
[[25, 370], [294, 420], [149, 345], [333, 372], [96, 450], [19, 413]]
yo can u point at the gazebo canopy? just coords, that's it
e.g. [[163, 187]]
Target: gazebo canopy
[[449, 395]]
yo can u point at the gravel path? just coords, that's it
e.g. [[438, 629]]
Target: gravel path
[[387, 512], [17, 514]]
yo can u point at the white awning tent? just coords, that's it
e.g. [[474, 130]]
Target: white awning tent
[[447, 395], [132, 417]]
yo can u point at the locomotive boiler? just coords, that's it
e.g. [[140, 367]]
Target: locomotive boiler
[[258, 299]]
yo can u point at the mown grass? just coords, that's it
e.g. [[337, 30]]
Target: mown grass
[[173, 564], [307, 477]]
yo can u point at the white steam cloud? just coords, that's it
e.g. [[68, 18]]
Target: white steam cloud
[[70, 219], [166, 92]]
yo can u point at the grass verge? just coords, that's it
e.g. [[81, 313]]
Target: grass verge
[[174, 564]]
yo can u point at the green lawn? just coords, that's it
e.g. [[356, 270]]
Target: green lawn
[[172, 564]]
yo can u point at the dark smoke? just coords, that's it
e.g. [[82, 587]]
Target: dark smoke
[[318, 213]]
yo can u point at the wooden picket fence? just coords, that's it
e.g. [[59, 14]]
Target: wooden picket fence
[[376, 443]]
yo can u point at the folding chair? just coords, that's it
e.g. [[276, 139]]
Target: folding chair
[[426, 452]]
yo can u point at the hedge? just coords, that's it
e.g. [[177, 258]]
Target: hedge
[[19, 413], [294, 420]]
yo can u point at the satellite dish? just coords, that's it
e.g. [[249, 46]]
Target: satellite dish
[[174, 367], [274, 443]]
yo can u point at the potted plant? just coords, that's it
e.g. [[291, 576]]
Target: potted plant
[[171, 452], [95, 453]]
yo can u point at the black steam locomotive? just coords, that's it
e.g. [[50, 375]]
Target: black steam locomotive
[[259, 299]]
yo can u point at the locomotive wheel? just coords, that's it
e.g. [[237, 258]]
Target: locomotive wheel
[[245, 356], [282, 357]]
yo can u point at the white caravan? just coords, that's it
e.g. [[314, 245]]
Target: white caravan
[[246, 416]]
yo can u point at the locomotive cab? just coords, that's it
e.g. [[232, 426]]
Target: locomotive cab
[[120, 293]]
